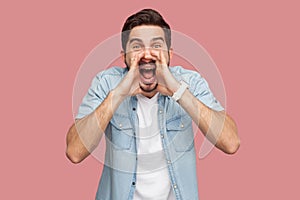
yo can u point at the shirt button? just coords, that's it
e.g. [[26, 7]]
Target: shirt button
[[120, 125], [133, 109], [133, 183], [162, 136], [174, 186], [181, 125], [169, 162], [160, 111]]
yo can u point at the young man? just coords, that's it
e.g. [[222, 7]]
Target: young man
[[146, 112]]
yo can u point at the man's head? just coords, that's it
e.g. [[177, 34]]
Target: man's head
[[146, 33], [145, 17]]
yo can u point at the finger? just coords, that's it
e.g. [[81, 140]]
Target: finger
[[136, 59], [155, 54], [162, 57]]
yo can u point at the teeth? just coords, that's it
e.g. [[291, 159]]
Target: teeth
[[147, 69]]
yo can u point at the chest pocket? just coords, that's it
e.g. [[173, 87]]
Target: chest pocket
[[122, 132], [180, 132]]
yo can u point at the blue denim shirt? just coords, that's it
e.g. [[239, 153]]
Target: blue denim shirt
[[119, 173]]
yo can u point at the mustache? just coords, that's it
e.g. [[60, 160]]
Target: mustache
[[143, 62]]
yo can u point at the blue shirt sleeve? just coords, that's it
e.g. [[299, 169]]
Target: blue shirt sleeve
[[198, 86], [201, 91], [94, 97]]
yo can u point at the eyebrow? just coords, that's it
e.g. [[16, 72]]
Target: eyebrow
[[135, 40], [157, 38], [139, 40]]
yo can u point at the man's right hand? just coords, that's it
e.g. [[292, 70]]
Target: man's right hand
[[129, 86]]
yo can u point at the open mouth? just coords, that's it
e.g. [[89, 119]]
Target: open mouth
[[147, 71]]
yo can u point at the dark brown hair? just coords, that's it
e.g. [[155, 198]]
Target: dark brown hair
[[145, 17]]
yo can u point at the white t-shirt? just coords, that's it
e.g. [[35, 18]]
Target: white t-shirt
[[153, 180]]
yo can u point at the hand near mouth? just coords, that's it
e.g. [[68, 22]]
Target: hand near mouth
[[167, 84], [147, 76], [129, 86]]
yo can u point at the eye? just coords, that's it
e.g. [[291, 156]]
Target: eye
[[157, 46], [136, 46]]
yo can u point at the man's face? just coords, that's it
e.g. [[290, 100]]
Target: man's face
[[148, 40]]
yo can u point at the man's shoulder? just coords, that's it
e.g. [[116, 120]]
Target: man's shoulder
[[182, 73], [109, 77], [112, 71]]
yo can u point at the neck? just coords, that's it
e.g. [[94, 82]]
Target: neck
[[149, 94]]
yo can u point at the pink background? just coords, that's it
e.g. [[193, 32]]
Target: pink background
[[255, 45]]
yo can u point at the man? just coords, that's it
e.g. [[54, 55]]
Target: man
[[145, 112]]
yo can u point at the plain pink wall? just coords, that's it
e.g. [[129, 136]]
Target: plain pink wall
[[255, 45]]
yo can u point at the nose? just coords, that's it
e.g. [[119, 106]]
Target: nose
[[147, 53]]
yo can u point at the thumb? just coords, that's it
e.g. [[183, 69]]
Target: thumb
[[164, 90]]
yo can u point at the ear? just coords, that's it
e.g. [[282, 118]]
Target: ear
[[170, 53], [123, 56]]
